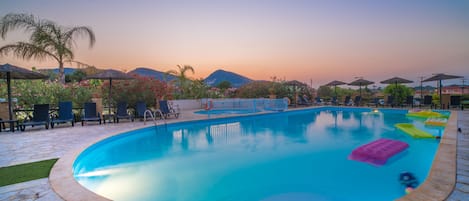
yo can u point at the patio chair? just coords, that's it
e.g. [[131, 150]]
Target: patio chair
[[166, 110], [122, 112], [90, 113], [40, 117], [65, 114]]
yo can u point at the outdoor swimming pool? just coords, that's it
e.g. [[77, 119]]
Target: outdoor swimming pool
[[298, 155]]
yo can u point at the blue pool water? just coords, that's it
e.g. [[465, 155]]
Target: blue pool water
[[299, 155], [227, 111]]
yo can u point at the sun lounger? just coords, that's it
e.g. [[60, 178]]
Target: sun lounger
[[303, 101], [409, 102], [122, 112], [65, 114], [90, 113], [428, 101], [390, 102], [140, 109], [40, 117], [347, 101], [455, 101], [166, 110], [357, 100]]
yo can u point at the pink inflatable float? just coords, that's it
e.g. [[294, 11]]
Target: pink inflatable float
[[378, 152]]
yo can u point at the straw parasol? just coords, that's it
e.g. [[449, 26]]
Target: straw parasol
[[335, 83], [9, 72], [361, 82], [295, 84], [396, 81], [110, 75], [438, 77]]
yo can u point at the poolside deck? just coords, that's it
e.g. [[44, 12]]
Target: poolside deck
[[40, 144]]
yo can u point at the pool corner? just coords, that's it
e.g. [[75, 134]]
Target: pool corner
[[442, 178]]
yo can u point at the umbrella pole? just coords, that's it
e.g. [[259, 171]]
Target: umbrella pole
[[110, 91], [360, 90], [395, 95], [335, 91], [441, 104], [10, 112]]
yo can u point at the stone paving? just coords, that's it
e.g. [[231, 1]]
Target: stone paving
[[461, 190], [39, 144], [38, 190]]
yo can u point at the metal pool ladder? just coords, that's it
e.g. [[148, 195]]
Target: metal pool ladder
[[152, 115]]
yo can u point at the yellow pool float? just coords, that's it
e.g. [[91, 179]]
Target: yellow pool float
[[411, 130], [426, 114], [436, 121]]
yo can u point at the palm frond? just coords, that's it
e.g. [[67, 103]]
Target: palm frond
[[14, 21], [45, 35], [171, 72], [81, 31], [27, 51], [188, 68]]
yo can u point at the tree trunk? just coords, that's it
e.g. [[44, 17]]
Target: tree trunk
[[61, 73]]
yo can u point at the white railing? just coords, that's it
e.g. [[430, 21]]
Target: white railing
[[259, 104]]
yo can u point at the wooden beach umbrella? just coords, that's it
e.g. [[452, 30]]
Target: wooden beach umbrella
[[396, 81], [9, 72], [439, 77], [110, 75], [335, 83], [361, 82]]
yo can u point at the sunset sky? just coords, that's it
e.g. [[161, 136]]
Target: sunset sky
[[292, 39]]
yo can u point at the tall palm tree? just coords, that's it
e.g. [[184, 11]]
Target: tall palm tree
[[48, 40], [181, 76]]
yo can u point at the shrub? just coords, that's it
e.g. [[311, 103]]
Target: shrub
[[139, 89]]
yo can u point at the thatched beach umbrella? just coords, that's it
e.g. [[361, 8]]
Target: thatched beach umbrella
[[396, 81], [361, 82], [110, 75], [335, 83], [295, 84], [9, 72], [439, 77]]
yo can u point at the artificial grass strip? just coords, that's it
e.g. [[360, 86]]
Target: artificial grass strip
[[25, 172]]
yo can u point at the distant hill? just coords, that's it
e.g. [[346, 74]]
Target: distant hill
[[219, 76], [67, 70], [142, 71], [426, 88]]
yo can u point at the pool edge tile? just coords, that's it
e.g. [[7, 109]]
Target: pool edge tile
[[442, 178]]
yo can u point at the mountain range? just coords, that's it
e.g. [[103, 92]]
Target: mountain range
[[219, 76], [212, 80], [147, 72]]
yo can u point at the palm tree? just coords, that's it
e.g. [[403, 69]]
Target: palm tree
[[181, 76], [47, 41]]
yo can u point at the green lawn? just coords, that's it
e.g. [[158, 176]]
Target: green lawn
[[25, 172]]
